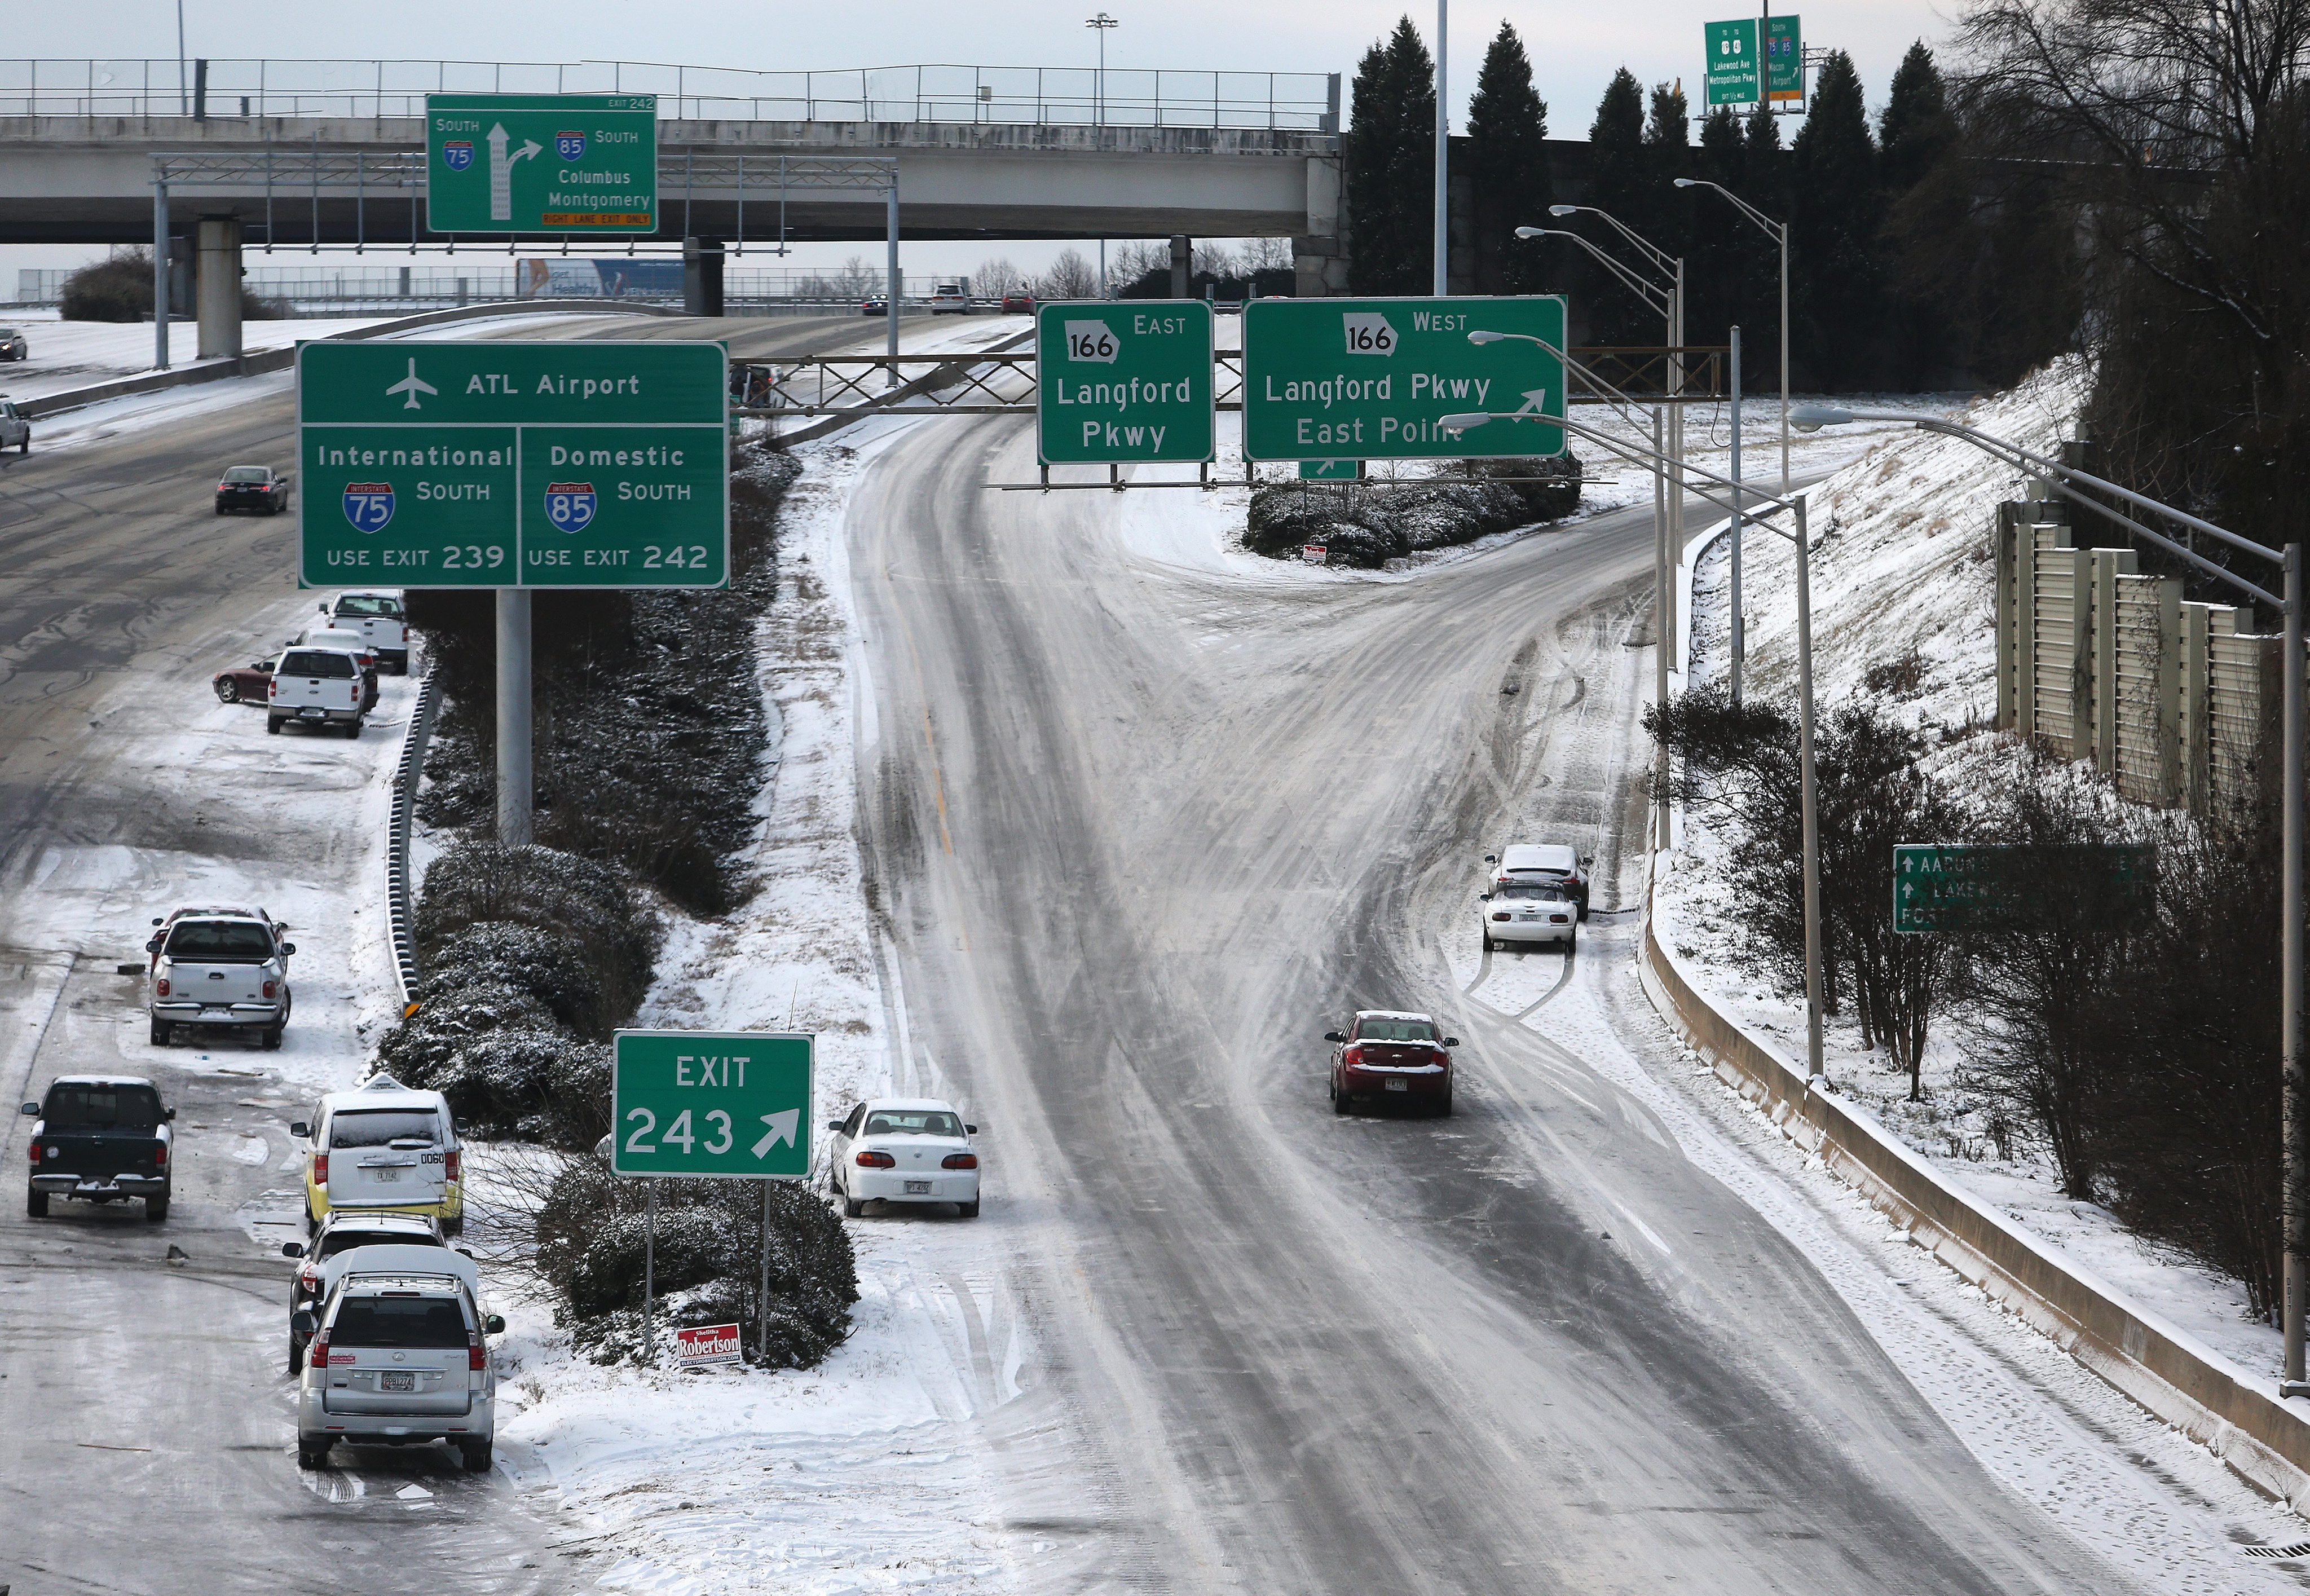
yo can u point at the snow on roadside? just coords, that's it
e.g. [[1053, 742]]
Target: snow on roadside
[[1901, 573], [867, 1473]]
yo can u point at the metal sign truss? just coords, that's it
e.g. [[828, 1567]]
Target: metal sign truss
[[1003, 383], [287, 177]]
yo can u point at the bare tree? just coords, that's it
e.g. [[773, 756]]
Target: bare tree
[[997, 275], [1070, 277]]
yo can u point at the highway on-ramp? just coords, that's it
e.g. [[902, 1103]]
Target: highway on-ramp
[[1144, 827]]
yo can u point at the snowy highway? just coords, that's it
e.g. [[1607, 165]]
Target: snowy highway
[[1138, 820]]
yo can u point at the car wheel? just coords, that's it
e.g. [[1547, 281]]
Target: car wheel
[[269, 1038], [456, 1228], [228, 692], [1571, 942], [353, 729], [969, 1211], [1489, 944], [296, 1356], [160, 1028], [1340, 1104], [156, 1209], [476, 1454], [852, 1207], [273, 725], [313, 1454], [1444, 1108], [36, 1205]]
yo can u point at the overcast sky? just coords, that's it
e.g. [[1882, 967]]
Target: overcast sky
[[1573, 47]]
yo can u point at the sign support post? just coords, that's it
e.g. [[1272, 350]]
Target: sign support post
[[649, 1281], [516, 813], [1737, 630]]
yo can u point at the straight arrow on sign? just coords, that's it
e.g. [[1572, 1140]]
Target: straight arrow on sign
[[781, 1129]]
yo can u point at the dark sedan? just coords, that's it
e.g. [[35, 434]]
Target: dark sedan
[[258, 488], [250, 684], [1019, 303], [12, 346], [875, 305]]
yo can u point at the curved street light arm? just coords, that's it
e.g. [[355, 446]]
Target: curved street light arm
[[1778, 230], [1651, 460], [1652, 294], [1660, 258]]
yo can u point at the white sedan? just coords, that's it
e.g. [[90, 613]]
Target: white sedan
[[903, 1150]]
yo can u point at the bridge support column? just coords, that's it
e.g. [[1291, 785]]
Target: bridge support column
[[217, 286], [1183, 257], [701, 276], [160, 276], [1319, 267]]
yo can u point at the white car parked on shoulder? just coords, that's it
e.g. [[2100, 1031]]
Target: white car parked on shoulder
[[903, 1150]]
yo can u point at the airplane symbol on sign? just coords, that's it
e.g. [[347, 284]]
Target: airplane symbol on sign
[[413, 385]]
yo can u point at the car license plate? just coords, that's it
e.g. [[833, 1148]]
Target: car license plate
[[919, 1188], [387, 1175], [311, 713], [1399, 1086], [393, 1381]]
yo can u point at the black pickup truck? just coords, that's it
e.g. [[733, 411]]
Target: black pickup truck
[[102, 1137]]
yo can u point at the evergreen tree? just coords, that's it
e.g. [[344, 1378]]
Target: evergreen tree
[[1926, 189], [1764, 184], [1616, 184], [1661, 214], [1721, 266], [1390, 160], [1834, 227], [1507, 158]]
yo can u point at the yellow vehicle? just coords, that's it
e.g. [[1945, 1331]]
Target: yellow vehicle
[[383, 1147]]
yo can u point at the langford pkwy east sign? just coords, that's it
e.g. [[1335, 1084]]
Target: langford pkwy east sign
[[1373, 379], [1124, 381], [489, 464]]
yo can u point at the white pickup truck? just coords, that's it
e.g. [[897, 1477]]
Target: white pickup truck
[[317, 688], [380, 620], [219, 969]]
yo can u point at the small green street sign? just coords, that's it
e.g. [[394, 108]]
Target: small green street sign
[[581, 164], [1731, 67], [1374, 377], [488, 465], [1943, 886], [728, 1104], [1331, 471], [1123, 381], [1784, 59]]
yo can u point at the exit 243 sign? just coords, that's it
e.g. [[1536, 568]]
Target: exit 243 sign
[[711, 1104]]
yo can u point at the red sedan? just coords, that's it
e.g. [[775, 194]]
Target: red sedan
[[1389, 1056], [1018, 303], [250, 684]]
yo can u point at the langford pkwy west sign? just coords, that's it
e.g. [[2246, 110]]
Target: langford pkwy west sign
[[486, 464], [1373, 379]]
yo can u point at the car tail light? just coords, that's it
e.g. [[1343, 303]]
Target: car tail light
[[318, 1355], [960, 1161], [1500, 914], [161, 986], [1353, 1055], [35, 1151], [868, 1158], [477, 1356], [269, 989], [449, 1163], [309, 1279], [320, 1169], [1560, 919], [160, 1156], [272, 689]]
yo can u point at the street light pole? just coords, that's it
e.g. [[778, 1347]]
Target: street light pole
[[1740, 641], [1443, 265], [1100, 23], [1779, 232], [2071, 483]]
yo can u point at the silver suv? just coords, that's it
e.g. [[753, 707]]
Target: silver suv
[[396, 1356]]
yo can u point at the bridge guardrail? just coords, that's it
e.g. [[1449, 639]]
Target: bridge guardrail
[[1049, 96]]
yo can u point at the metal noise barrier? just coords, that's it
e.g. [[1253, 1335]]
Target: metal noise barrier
[[400, 916]]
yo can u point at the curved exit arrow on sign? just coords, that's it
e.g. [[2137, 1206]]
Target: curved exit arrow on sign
[[781, 1129]]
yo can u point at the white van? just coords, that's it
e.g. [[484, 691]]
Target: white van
[[383, 1147]]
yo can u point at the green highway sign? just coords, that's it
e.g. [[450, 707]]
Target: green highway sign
[[1977, 887], [1120, 381], [1372, 379], [1732, 69], [488, 465], [1331, 471], [580, 164], [734, 1104], [1784, 59]]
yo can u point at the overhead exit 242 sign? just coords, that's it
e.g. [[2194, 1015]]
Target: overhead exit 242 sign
[[1124, 381], [1373, 379], [711, 1104], [580, 164]]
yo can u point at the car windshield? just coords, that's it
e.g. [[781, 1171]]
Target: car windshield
[[1543, 894], [246, 474], [101, 1108], [316, 663], [912, 1122], [361, 603], [220, 941], [382, 1127], [346, 1239], [399, 1322], [1394, 1030]]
